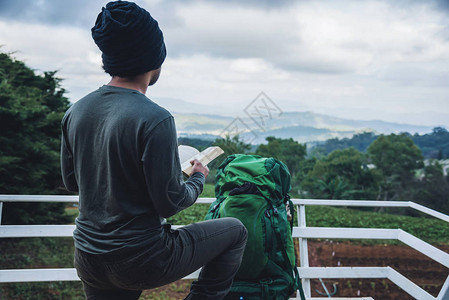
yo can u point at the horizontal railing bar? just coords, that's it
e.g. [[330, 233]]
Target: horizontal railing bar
[[343, 272], [345, 233], [18, 231], [74, 198], [316, 202], [39, 198], [36, 275], [205, 200], [8, 231], [359, 203], [371, 203], [193, 275], [62, 274], [61, 198]]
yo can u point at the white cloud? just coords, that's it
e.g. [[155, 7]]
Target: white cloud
[[359, 59], [249, 65], [353, 36], [69, 50]]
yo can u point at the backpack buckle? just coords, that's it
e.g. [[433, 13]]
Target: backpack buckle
[[267, 214]]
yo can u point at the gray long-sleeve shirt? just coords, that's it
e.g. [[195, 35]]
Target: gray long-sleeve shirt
[[119, 151]]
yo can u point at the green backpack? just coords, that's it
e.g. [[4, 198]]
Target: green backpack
[[255, 190]]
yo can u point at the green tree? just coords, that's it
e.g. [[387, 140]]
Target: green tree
[[232, 145], [343, 174], [396, 158], [288, 151], [433, 188], [305, 166], [434, 144], [31, 108]]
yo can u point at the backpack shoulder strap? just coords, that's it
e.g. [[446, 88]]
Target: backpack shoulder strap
[[298, 285]]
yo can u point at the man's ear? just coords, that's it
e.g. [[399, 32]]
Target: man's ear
[[154, 76]]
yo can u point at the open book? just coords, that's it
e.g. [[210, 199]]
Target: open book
[[188, 153]]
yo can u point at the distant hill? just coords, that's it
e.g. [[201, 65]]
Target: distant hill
[[301, 126], [325, 121], [433, 145]]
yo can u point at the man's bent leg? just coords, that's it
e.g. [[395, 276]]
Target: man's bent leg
[[218, 245]]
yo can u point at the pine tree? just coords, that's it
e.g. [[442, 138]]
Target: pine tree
[[31, 109]]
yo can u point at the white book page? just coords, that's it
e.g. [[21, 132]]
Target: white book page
[[186, 153]]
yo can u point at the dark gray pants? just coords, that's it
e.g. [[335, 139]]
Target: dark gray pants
[[215, 245]]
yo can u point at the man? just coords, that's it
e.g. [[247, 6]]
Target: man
[[119, 151]]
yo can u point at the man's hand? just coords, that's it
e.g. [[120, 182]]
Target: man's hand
[[198, 167]]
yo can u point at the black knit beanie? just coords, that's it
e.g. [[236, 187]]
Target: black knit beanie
[[129, 38]]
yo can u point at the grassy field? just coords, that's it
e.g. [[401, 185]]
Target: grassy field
[[58, 252]]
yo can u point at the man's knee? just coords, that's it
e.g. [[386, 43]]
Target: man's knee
[[243, 232]]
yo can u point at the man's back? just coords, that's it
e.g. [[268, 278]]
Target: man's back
[[106, 131]]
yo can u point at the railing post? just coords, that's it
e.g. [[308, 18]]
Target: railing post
[[303, 250], [1, 211]]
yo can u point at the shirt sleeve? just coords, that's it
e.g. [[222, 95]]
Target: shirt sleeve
[[162, 169], [67, 170]]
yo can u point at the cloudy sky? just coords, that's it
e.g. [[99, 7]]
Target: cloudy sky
[[381, 59]]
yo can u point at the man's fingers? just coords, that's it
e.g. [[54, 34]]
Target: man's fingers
[[193, 161]]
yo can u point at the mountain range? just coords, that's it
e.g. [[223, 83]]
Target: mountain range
[[303, 127], [194, 121]]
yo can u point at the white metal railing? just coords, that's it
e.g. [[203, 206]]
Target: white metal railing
[[302, 232]]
